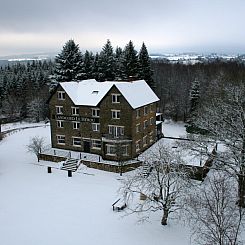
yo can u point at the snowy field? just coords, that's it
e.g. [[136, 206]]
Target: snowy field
[[46, 209]]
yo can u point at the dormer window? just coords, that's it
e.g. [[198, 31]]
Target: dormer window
[[115, 98], [95, 92], [61, 95]]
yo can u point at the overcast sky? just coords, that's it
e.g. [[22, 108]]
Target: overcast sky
[[31, 26]]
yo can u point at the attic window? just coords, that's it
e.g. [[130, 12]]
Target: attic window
[[95, 92]]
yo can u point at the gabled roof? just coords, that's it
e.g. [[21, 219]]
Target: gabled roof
[[90, 92]]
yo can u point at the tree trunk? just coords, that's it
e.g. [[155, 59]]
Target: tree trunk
[[241, 188], [164, 217]]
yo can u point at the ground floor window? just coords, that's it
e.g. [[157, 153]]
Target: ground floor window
[[144, 140], [111, 150], [125, 150], [76, 141], [137, 146], [96, 144], [60, 139]]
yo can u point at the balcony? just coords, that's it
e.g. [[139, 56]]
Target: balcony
[[116, 138]]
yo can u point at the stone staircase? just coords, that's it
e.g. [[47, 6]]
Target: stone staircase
[[71, 164]]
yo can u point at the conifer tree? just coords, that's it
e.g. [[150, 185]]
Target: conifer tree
[[69, 62], [130, 61], [145, 71], [87, 71], [118, 63], [107, 62]]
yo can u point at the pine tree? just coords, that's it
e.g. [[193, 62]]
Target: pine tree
[[107, 62], [118, 63], [145, 71], [130, 62], [194, 95], [69, 63], [87, 71]]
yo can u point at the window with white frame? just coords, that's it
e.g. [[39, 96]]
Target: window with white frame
[[75, 125], [125, 150], [144, 140], [151, 136], [111, 150], [96, 144], [61, 95], [137, 146], [60, 139], [145, 124], [152, 121], [151, 107], [137, 113], [145, 110], [60, 124], [96, 127], [115, 114], [75, 111], [76, 141], [115, 98], [95, 112], [59, 110], [138, 128], [116, 130]]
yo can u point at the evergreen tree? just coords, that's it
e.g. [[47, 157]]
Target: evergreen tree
[[130, 62], [145, 71], [107, 62], [69, 63], [118, 63], [194, 95], [87, 71]]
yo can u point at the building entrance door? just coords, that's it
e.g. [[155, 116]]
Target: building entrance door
[[86, 146]]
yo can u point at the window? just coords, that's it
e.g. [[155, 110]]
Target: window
[[151, 136], [95, 112], [75, 111], [151, 107], [137, 113], [76, 141], [137, 146], [145, 124], [61, 95], [76, 125], [116, 131], [111, 150], [60, 139], [145, 110], [96, 144], [151, 121], [125, 150], [59, 110], [137, 128], [96, 127], [115, 114], [60, 124], [115, 98], [144, 140]]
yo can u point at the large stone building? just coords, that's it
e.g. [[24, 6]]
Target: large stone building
[[112, 119]]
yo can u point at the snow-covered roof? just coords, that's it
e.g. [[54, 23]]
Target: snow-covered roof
[[90, 92]]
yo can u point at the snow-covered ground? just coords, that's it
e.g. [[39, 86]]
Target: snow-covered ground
[[43, 209]]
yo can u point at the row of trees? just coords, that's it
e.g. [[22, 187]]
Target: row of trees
[[24, 89], [123, 64]]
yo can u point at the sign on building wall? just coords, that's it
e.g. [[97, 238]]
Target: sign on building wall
[[75, 118]]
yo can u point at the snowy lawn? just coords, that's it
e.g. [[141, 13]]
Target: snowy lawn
[[46, 209]]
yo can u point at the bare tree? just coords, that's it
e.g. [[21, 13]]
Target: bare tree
[[224, 119], [36, 145], [215, 217], [161, 180]]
